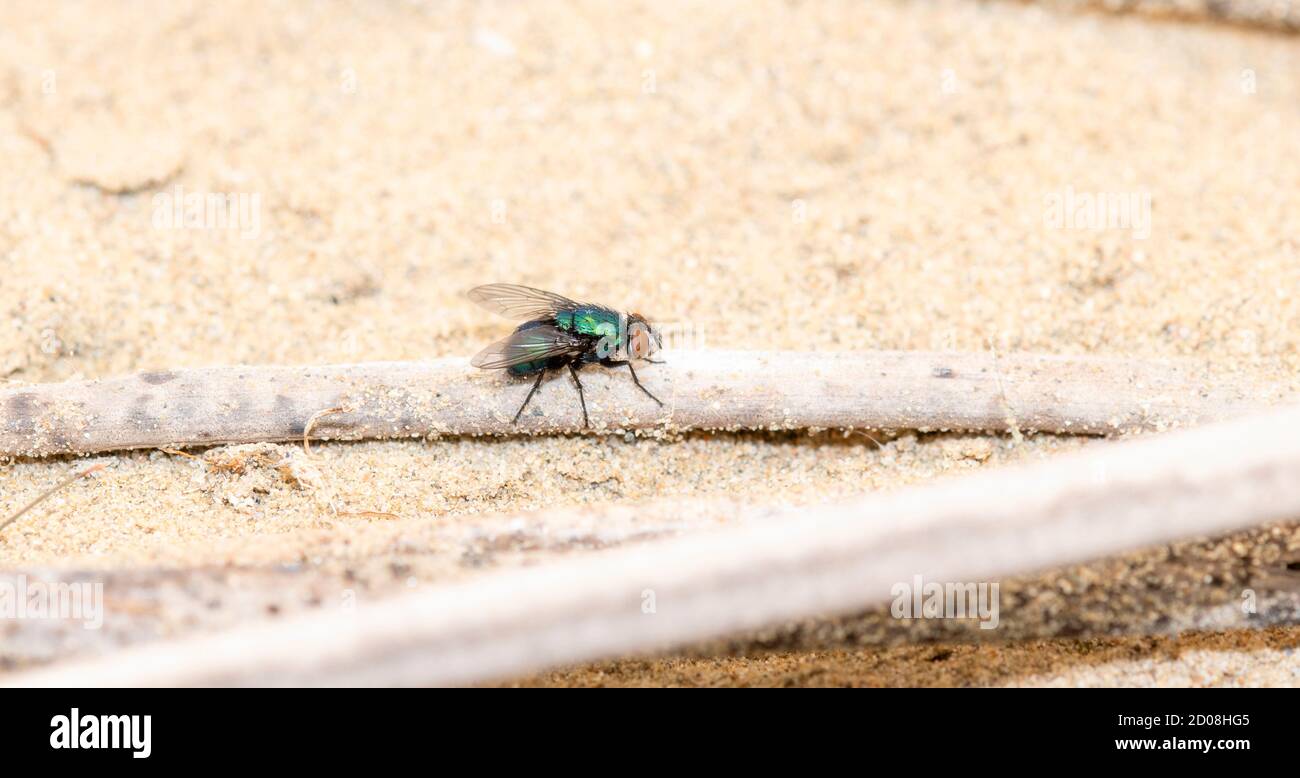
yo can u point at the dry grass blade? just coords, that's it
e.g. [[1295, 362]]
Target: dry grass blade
[[51, 492]]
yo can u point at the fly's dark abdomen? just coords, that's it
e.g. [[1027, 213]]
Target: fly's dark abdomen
[[534, 366], [526, 368], [538, 365]]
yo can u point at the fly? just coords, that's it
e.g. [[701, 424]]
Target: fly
[[559, 333]]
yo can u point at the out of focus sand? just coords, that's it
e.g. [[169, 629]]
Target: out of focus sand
[[816, 175], [1228, 659]]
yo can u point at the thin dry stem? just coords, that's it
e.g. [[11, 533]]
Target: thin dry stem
[[51, 492], [710, 390]]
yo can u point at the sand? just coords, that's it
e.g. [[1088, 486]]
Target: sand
[[1228, 659], [824, 175]]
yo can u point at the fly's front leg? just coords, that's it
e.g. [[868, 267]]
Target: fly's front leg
[[637, 381]]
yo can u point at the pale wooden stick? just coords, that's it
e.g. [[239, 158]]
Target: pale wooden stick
[[766, 570], [700, 390]]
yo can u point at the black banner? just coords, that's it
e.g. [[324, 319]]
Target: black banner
[[225, 726]]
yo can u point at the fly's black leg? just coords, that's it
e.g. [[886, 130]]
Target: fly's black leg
[[531, 392], [637, 381], [652, 361], [581, 399]]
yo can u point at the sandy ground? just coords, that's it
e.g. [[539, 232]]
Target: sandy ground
[[1227, 659], [818, 175]]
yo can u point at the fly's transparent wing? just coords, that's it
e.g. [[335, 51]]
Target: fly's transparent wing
[[530, 345], [520, 302]]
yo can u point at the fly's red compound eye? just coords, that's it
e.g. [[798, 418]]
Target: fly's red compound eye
[[639, 342]]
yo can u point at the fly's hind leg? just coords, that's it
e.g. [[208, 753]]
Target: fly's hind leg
[[573, 372], [637, 381], [531, 392]]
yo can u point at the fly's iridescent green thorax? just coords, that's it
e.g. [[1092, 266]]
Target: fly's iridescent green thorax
[[586, 320]]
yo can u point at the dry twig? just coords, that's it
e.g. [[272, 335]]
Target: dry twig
[[703, 390]]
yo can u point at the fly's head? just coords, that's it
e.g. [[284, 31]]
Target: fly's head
[[642, 339]]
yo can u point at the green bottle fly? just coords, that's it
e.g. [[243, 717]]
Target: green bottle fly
[[561, 333]]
